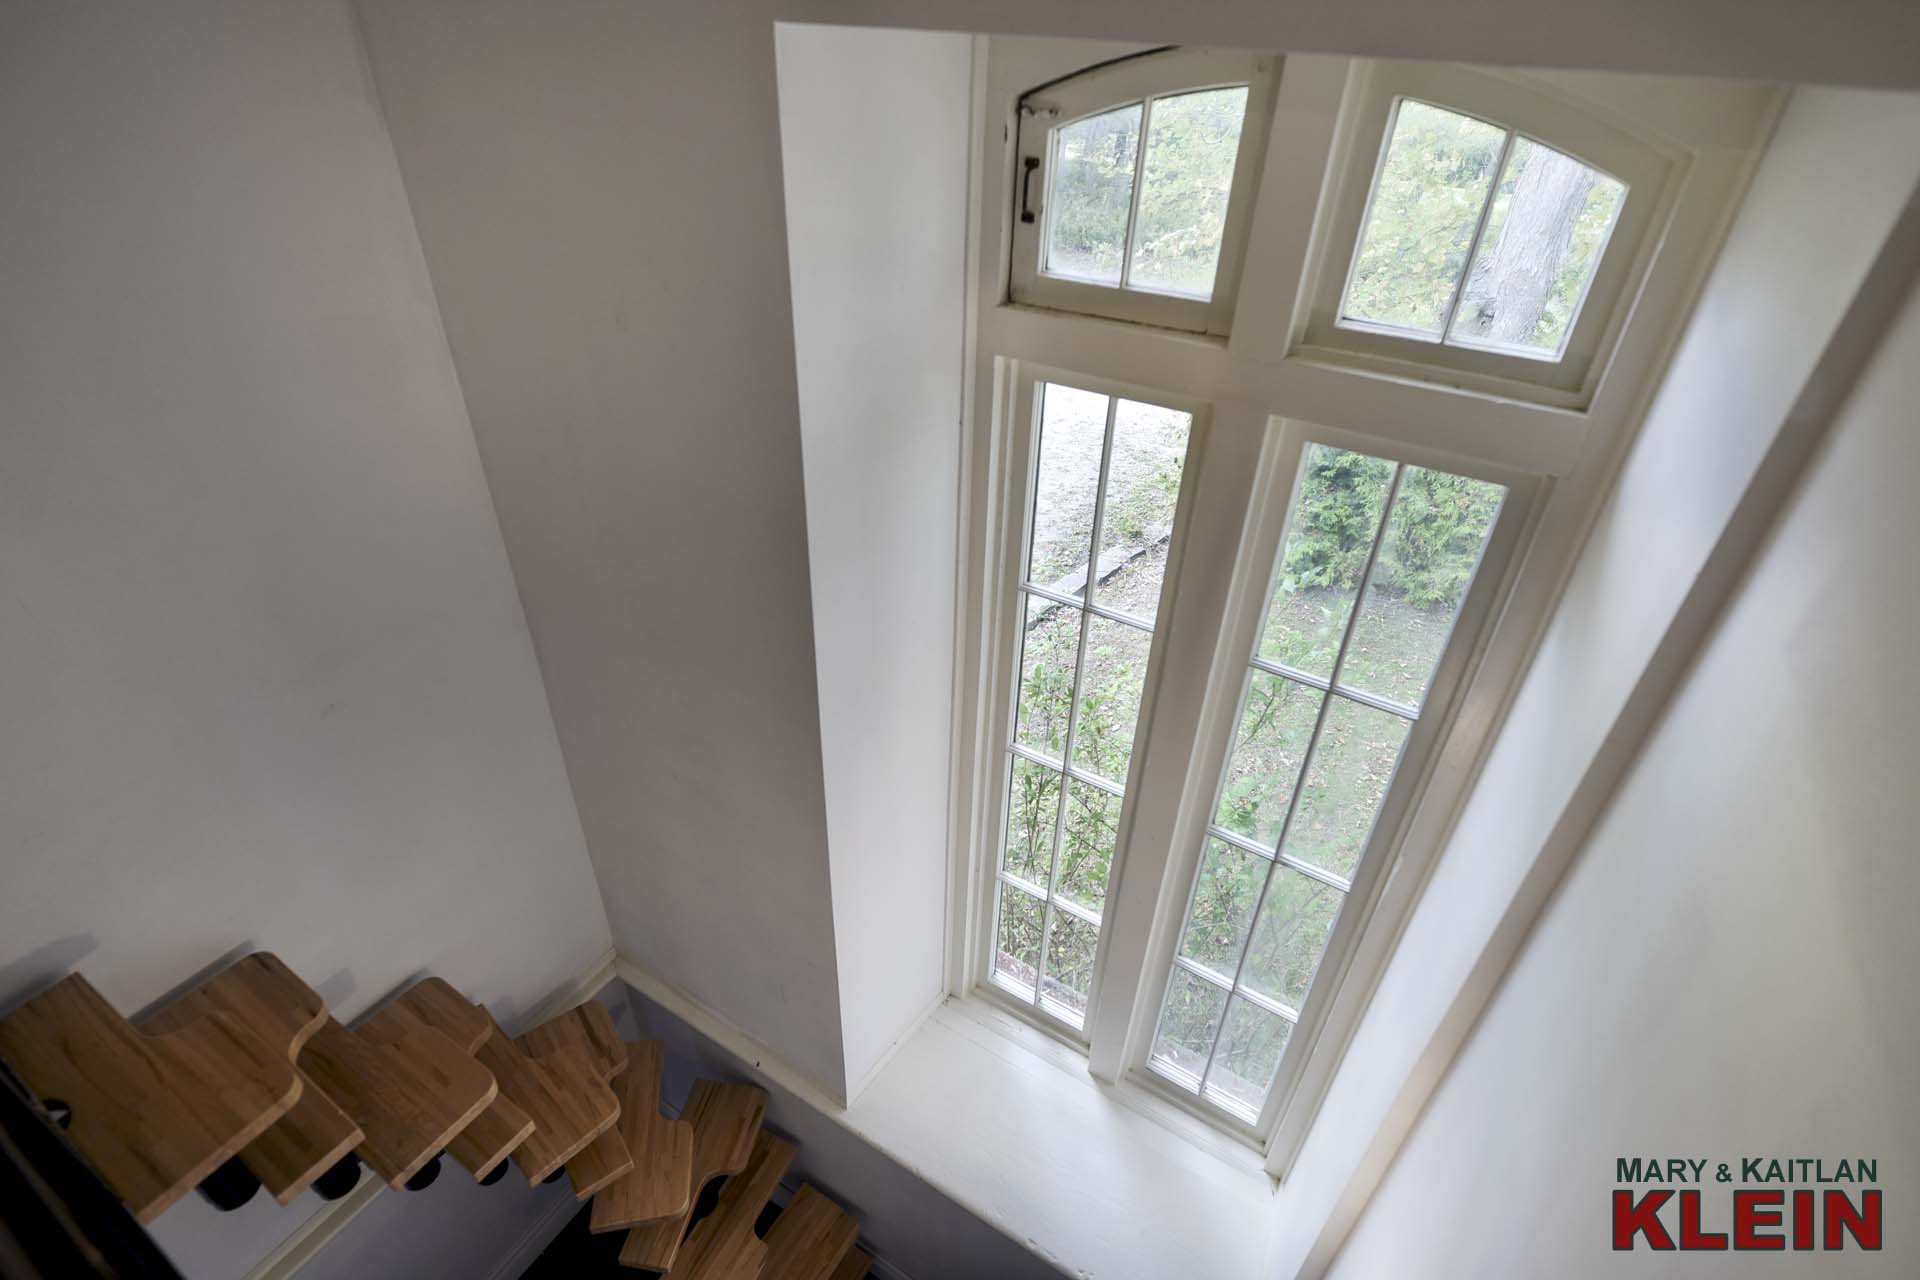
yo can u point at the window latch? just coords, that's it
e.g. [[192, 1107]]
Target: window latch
[[1026, 188]]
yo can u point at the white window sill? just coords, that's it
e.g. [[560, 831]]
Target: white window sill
[[1100, 1180]]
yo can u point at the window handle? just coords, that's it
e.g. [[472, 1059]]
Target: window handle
[[1026, 189]]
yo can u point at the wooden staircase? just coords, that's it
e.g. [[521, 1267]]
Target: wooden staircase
[[248, 1081]]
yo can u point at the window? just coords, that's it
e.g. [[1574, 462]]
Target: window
[[1106, 478], [1448, 254], [1246, 613], [1134, 186], [1375, 564], [1482, 234]]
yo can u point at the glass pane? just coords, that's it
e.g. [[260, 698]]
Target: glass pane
[[1033, 809], [1549, 223], [1345, 784], [1290, 935], [1143, 485], [1073, 430], [1086, 856], [1070, 963], [1192, 141], [1017, 959], [1223, 899], [1339, 499], [1425, 204], [1092, 190], [1275, 724], [1110, 697], [1048, 644], [1249, 1053], [1187, 1022], [1439, 525]]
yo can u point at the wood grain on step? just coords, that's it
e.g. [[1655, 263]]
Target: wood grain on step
[[587, 1028], [272, 1001], [411, 1090], [600, 1162], [722, 1245], [569, 1103], [661, 1183], [810, 1239], [495, 1133], [725, 1119], [153, 1113]]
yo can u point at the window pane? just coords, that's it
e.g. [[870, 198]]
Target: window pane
[[1187, 1022], [1223, 899], [1340, 497], [1033, 809], [1092, 190], [1290, 935], [1345, 784], [1550, 220], [1275, 725], [1070, 963], [1086, 856], [1439, 525], [1249, 1053], [1048, 644], [1073, 431], [1143, 484], [1017, 959], [1192, 141], [1425, 204], [1110, 697]]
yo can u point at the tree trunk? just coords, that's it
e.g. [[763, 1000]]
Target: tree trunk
[[1507, 291]]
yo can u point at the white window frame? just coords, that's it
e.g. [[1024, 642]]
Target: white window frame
[[1267, 392], [1004, 616], [1566, 379], [1042, 112]]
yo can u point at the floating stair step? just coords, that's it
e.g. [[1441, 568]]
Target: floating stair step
[[411, 1090], [601, 1162], [153, 1112], [272, 1001], [497, 1132], [854, 1266], [661, 1182], [568, 1101], [725, 1119], [810, 1239], [722, 1245], [587, 1028]]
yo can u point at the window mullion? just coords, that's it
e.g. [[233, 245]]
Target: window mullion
[[1306, 761], [1473, 245], [1133, 204]]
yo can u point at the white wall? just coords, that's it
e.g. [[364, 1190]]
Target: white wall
[[597, 187], [1728, 969], [873, 135], [266, 678]]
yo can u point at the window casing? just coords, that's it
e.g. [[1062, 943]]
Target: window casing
[[1135, 87], [1258, 405]]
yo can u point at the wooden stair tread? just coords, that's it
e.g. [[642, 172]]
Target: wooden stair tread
[[586, 1027], [568, 1102], [153, 1112], [602, 1161], [810, 1239], [725, 1119], [272, 1001], [854, 1266], [723, 1245], [497, 1132], [409, 1088], [661, 1182]]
